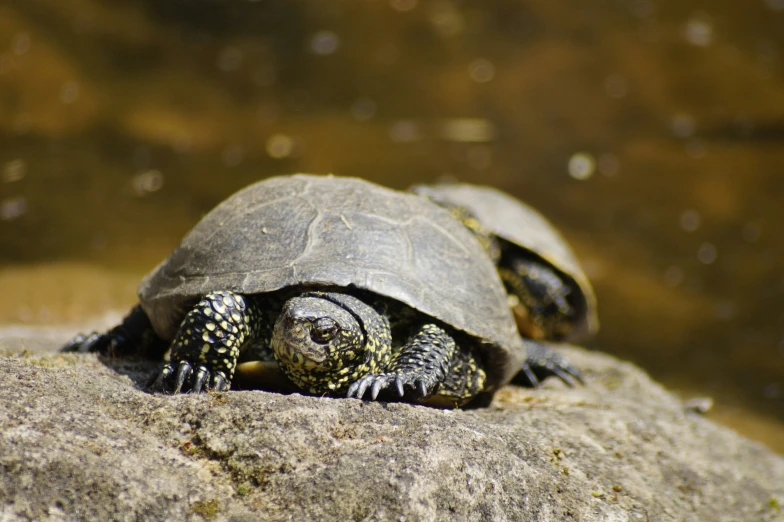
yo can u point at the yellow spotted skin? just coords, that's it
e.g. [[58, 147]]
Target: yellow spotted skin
[[543, 309], [213, 333], [432, 356], [363, 356], [361, 346], [325, 343]]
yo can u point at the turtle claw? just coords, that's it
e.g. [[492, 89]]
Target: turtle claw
[[184, 371], [376, 382], [357, 389], [221, 384], [379, 382], [158, 378], [363, 385], [90, 343], [399, 385], [543, 361], [181, 378], [197, 386], [422, 387], [568, 375], [377, 385], [575, 374], [530, 375], [560, 366], [134, 336]]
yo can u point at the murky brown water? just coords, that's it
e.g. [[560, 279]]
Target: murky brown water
[[651, 132]]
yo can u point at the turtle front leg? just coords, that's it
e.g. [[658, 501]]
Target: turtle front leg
[[134, 336], [205, 350], [541, 298], [430, 362]]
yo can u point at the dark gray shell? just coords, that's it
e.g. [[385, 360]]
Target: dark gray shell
[[323, 230], [516, 222]]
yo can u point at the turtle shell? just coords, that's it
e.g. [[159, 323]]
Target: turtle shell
[[306, 230], [512, 220]]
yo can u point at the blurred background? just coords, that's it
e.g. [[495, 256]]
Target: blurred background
[[651, 132]]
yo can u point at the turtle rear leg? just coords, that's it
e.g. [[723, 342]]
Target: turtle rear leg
[[205, 350], [430, 362], [465, 380], [134, 336], [542, 361]]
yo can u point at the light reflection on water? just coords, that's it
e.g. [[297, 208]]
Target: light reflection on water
[[650, 132]]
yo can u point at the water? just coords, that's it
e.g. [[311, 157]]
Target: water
[[651, 133]]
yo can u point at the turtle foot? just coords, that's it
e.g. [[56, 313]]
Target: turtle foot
[[173, 378], [134, 336], [421, 385], [206, 347], [88, 343], [543, 361]]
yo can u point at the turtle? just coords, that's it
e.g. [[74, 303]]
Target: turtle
[[341, 285], [550, 295]]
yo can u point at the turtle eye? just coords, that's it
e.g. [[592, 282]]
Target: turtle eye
[[324, 330]]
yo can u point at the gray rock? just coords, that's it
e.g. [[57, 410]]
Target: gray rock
[[80, 440]]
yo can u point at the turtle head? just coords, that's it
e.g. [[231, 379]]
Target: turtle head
[[321, 342], [541, 299]]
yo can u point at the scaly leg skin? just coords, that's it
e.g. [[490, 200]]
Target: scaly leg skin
[[464, 381], [134, 336], [541, 362], [427, 364], [544, 310], [205, 350]]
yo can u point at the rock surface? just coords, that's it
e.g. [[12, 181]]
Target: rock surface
[[80, 440]]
